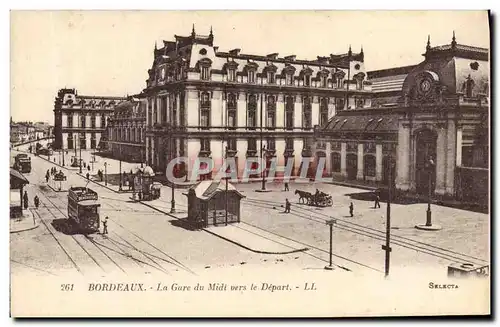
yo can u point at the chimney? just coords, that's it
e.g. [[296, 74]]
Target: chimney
[[234, 52], [216, 49], [272, 55], [290, 57]]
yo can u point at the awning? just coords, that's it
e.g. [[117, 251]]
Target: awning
[[362, 122]]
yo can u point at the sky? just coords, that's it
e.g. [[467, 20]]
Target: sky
[[109, 52]]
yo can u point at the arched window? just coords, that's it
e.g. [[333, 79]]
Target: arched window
[[306, 113], [469, 85], [231, 110], [289, 79], [369, 165], [323, 111], [289, 112], [252, 111], [205, 110], [271, 112], [271, 78], [205, 73], [335, 157], [70, 121], [251, 76], [92, 121], [82, 121]]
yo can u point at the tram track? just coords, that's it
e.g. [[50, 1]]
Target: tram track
[[373, 233]]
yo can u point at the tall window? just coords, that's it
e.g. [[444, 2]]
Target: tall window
[[182, 110], [323, 111], [70, 141], [289, 79], [359, 84], [205, 110], [340, 82], [339, 103], [271, 78], [335, 157], [231, 76], [469, 85], [289, 112], [360, 103], [82, 121], [83, 141], [92, 140], [205, 73], [252, 144], [70, 121], [288, 143], [307, 113], [307, 80], [251, 76], [271, 112], [231, 110], [324, 81], [369, 165], [307, 143], [163, 109], [174, 110], [92, 121], [231, 144], [103, 121], [252, 111], [205, 144], [271, 144]]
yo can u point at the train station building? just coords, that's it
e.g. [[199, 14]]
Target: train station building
[[430, 120]]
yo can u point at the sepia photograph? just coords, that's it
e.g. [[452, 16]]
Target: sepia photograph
[[249, 163]]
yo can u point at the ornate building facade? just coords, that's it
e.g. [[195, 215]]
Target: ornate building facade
[[126, 129], [80, 120], [202, 101], [430, 120]]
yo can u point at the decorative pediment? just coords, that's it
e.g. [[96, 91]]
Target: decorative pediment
[[323, 72], [270, 68], [230, 65], [359, 76], [250, 66], [338, 73], [306, 71], [205, 62], [288, 70]]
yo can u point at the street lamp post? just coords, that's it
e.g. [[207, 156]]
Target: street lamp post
[[387, 246], [63, 157], [225, 193], [80, 157], [105, 173], [120, 168], [330, 223], [172, 202], [428, 222]]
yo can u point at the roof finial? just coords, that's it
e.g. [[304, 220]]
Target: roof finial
[[453, 41], [361, 48], [428, 42], [156, 48], [211, 32], [193, 33], [350, 51]]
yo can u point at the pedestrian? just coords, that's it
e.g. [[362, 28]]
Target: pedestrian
[[88, 176], [286, 186], [351, 209], [377, 201], [88, 168], [25, 199], [287, 206], [37, 201], [105, 226]]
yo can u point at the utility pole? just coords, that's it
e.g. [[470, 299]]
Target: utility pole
[[172, 203], [387, 246], [120, 167], [225, 194], [105, 173], [330, 223], [80, 157]]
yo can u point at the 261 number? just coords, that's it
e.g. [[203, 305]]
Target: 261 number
[[66, 287]]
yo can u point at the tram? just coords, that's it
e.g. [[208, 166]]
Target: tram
[[83, 209], [22, 163]]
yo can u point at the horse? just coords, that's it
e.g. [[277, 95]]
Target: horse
[[303, 195]]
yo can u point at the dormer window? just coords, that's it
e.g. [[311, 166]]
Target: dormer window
[[251, 76], [289, 79], [469, 85], [307, 80], [205, 73], [324, 81], [271, 78], [231, 75]]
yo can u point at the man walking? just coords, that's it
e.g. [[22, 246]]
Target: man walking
[[351, 209], [37, 201], [286, 186], [287, 206], [105, 226], [377, 201]]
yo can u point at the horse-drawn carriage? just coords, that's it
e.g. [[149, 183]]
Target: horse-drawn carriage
[[59, 176], [318, 199]]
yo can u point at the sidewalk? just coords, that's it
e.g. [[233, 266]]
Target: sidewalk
[[24, 223]]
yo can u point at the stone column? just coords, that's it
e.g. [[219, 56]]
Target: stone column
[[328, 163], [403, 149], [359, 175], [441, 162], [378, 162], [459, 147], [451, 153], [343, 159]]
